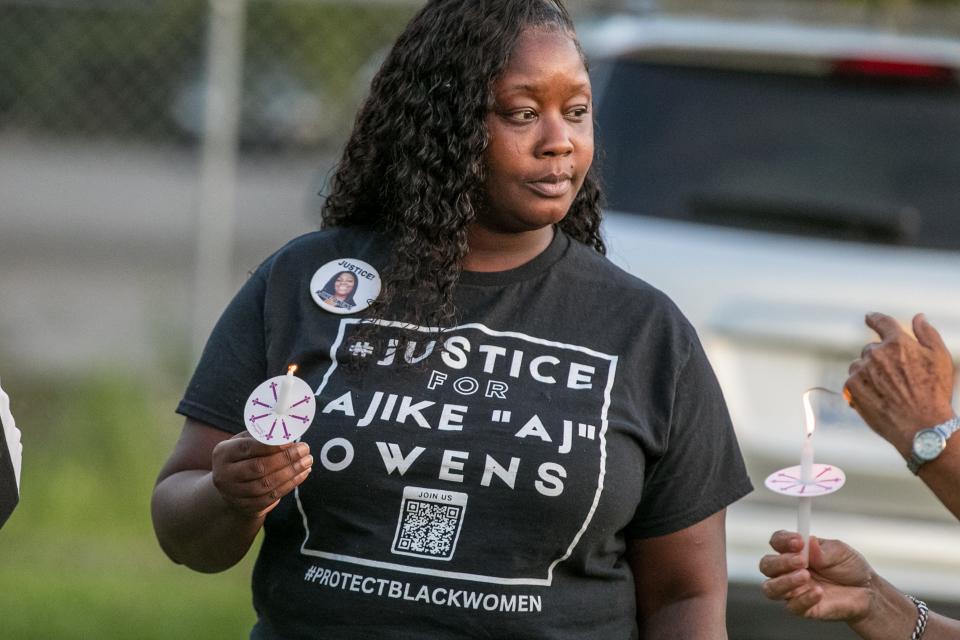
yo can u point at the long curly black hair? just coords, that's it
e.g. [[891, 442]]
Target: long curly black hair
[[413, 168]]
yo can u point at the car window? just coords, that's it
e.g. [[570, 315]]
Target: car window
[[846, 158]]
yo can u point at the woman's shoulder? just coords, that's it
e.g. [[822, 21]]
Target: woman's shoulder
[[628, 314], [334, 240], [327, 245], [586, 267]]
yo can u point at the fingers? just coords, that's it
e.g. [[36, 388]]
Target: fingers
[[828, 553], [786, 562], [781, 565], [861, 394], [243, 446], [885, 326], [927, 335], [787, 585], [816, 557], [889, 331], [800, 593], [252, 469], [252, 476], [260, 495], [786, 542], [803, 603], [861, 390], [858, 375]]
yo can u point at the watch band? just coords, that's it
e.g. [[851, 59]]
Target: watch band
[[914, 463], [945, 429], [949, 427]]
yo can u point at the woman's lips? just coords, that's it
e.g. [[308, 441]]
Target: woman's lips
[[552, 186]]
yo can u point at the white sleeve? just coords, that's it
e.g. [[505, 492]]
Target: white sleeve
[[11, 435]]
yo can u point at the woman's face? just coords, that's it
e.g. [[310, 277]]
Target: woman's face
[[344, 284], [541, 134]]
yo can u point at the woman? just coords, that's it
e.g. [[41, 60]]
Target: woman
[[339, 290], [532, 470]]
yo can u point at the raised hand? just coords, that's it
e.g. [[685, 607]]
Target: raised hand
[[902, 384]]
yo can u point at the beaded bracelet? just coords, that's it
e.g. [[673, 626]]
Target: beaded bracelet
[[922, 613]]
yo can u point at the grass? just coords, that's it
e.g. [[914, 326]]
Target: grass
[[78, 558]]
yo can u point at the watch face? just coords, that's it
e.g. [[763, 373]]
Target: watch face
[[928, 444]]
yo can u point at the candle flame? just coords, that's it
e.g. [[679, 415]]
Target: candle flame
[[809, 421], [292, 369]]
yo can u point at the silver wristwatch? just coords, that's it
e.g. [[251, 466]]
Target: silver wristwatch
[[929, 443]]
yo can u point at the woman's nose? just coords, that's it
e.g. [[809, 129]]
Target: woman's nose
[[556, 137]]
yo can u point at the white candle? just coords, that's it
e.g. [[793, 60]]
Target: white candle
[[805, 507], [283, 398], [806, 459], [803, 526]]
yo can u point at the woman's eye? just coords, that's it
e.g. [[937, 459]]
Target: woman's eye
[[579, 113], [523, 115]]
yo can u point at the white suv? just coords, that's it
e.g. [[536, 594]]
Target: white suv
[[779, 181]]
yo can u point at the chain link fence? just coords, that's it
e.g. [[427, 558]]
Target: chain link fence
[[135, 69]]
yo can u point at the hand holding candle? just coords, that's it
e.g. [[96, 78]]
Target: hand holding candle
[[281, 409], [808, 480]]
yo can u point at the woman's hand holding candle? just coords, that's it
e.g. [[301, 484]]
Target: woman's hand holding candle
[[252, 476], [838, 585]]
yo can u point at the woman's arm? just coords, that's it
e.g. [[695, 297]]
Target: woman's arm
[[215, 491], [943, 477], [681, 582]]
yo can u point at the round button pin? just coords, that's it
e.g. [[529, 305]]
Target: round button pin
[[346, 285]]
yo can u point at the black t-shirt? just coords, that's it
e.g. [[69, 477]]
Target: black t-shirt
[[481, 481]]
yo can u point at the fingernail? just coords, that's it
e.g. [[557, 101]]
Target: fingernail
[[308, 461], [303, 449]]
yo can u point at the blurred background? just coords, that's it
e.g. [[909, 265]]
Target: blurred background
[[152, 153]]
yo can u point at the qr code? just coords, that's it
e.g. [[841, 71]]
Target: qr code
[[429, 523]]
